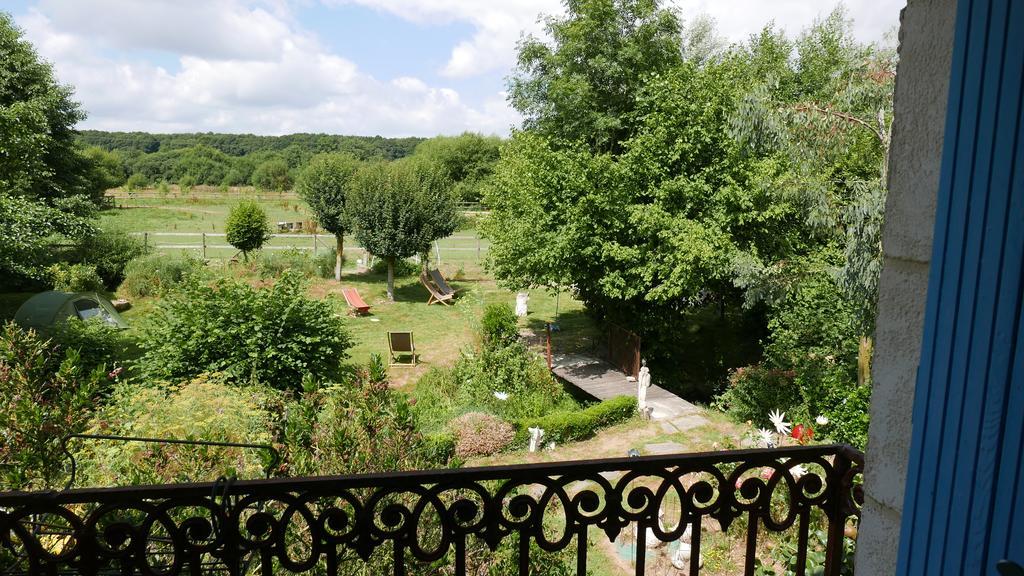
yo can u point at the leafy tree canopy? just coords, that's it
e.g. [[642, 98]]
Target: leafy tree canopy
[[247, 227], [467, 160], [323, 184], [580, 87], [38, 155], [399, 208]]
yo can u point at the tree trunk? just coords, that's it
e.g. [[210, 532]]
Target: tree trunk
[[339, 255], [864, 352], [391, 279]]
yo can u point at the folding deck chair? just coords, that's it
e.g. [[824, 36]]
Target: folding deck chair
[[355, 301], [441, 283], [402, 344], [435, 293]]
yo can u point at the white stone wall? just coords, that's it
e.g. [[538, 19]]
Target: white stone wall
[[915, 158]]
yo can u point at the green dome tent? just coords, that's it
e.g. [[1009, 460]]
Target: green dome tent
[[47, 309]]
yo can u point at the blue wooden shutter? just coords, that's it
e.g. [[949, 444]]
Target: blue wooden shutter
[[964, 504]]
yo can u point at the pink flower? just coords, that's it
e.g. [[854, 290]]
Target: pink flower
[[115, 372]]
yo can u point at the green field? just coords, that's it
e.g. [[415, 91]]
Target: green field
[[441, 332], [172, 223]]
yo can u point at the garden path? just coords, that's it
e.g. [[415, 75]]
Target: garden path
[[603, 381]]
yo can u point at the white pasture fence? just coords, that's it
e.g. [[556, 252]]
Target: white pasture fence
[[457, 248]]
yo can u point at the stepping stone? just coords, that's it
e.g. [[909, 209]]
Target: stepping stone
[[689, 422], [660, 448], [667, 427]]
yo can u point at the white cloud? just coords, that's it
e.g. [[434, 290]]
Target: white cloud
[[736, 20], [287, 83], [248, 66], [499, 23], [202, 28]]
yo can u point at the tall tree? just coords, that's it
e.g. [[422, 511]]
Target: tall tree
[[581, 86], [323, 184], [830, 117], [467, 160], [38, 156], [272, 175], [398, 209]]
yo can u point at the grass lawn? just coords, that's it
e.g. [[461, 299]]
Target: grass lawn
[[441, 332]]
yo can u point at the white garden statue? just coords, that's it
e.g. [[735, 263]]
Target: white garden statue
[[535, 436], [521, 299], [642, 384], [681, 559]]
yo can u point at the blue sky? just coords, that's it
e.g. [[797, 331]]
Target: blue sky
[[388, 67]]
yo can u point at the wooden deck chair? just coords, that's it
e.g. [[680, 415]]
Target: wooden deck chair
[[435, 292], [355, 301], [441, 283], [402, 344]]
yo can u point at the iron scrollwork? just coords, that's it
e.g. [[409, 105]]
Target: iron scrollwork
[[314, 525]]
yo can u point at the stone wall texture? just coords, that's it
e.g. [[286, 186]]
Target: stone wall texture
[[915, 160]]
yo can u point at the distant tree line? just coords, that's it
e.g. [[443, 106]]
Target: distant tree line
[[140, 159]]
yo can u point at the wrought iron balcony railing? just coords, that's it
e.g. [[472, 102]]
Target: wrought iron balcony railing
[[434, 521]]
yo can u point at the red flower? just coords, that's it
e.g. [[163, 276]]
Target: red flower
[[802, 434]]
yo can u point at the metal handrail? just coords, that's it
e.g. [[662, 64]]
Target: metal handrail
[[275, 456]]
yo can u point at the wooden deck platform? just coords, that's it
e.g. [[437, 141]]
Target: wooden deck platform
[[603, 381]]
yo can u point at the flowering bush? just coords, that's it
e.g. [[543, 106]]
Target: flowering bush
[[481, 434]]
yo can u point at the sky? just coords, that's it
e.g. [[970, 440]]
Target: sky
[[363, 67]]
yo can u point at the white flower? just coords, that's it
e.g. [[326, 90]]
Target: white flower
[[821, 420], [779, 421], [797, 471], [501, 395], [766, 437]]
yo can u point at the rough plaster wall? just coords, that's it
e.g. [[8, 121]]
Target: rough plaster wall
[[922, 84]]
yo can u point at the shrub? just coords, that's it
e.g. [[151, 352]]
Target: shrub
[[163, 188], [754, 391], [403, 268], [363, 426], [272, 265], [156, 274], [204, 408], [507, 381], [110, 252], [136, 181], [185, 183], [324, 264], [247, 227], [572, 426], [440, 448], [848, 417], [480, 434], [273, 335], [98, 344], [74, 277], [45, 393], [272, 175], [499, 326]]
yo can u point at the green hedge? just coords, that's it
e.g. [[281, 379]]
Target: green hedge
[[578, 425]]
